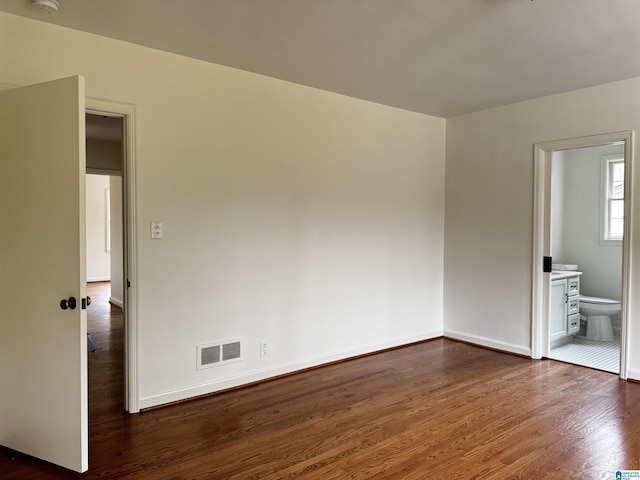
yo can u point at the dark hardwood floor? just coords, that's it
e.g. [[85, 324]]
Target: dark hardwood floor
[[436, 410]]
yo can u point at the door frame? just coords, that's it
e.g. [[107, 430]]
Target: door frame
[[541, 281], [128, 112], [130, 291]]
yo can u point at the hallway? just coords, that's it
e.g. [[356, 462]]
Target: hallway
[[105, 324]]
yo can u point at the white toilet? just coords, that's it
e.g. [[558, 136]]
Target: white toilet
[[597, 312]]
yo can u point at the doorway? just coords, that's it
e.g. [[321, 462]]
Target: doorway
[[110, 152], [545, 245], [587, 205], [104, 256], [43, 217]]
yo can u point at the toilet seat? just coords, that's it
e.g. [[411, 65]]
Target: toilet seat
[[598, 300]]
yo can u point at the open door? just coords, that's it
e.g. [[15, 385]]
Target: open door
[[43, 343]]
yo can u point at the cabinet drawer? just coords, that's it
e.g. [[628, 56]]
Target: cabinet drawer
[[573, 305], [573, 286], [573, 323]]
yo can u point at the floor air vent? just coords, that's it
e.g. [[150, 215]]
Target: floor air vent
[[212, 354]]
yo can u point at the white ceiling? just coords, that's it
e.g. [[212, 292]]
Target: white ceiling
[[440, 57]]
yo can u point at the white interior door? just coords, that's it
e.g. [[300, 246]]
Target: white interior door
[[43, 347]]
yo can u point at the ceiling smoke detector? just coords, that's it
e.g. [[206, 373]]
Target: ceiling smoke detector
[[47, 6]]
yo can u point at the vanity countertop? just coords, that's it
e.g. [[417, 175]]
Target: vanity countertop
[[559, 275]]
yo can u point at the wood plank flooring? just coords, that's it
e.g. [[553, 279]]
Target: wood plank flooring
[[436, 410]]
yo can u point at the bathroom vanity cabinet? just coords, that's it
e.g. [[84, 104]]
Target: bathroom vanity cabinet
[[564, 317]]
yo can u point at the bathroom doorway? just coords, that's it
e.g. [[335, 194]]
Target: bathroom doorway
[[580, 216], [587, 213]]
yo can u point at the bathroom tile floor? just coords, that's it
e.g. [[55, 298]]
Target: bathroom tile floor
[[590, 353]]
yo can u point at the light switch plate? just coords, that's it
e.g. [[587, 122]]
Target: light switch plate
[[156, 230]]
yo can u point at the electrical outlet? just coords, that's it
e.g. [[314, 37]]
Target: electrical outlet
[[264, 349]]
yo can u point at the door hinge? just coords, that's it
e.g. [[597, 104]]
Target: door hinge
[[128, 283], [546, 264]]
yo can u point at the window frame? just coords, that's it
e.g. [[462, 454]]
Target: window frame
[[606, 198]]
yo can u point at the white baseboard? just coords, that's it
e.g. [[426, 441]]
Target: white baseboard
[[489, 342], [633, 374], [98, 279], [264, 374], [116, 302]]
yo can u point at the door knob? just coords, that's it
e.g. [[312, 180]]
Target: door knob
[[69, 303], [88, 300]]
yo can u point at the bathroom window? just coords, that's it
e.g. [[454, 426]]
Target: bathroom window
[[612, 199]]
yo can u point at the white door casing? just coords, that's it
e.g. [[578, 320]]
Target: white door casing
[[128, 113], [540, 298]]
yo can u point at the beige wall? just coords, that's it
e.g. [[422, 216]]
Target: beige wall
[[104, 156], [117, 276], [601, 264], [489, 208], [293, 215], [98, 258]]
